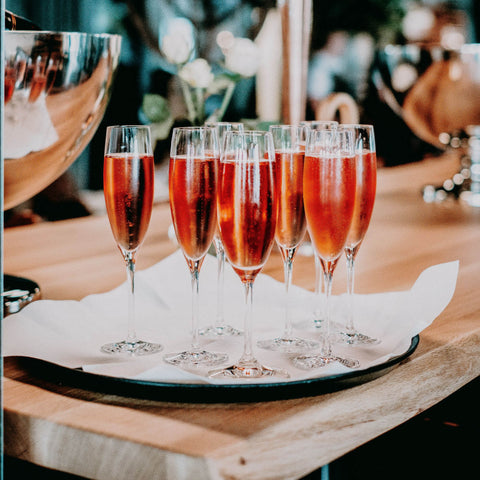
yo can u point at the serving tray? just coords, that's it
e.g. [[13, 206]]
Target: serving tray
[[208, 393]]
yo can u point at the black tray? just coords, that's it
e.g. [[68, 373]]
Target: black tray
[[209, 393], [17, 293]]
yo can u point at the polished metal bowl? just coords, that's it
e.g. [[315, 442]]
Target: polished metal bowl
[[434, 90], [57, 86], [436, 93]]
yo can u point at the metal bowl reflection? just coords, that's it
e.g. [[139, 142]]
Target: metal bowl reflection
[[436, 93], [57, 86], [434, 90]]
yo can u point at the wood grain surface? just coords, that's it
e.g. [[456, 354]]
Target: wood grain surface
[[116, 437]]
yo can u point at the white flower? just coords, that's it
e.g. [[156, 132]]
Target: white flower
[[197, 74], [176, 47], [243, 57]]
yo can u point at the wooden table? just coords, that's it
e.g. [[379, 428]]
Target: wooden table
[[114, 437]]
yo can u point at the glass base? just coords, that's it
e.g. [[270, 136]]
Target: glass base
[[288, 345], [195, 358], [251, 369], [131, 348], [356, 338], [220, 331], [308, 362]]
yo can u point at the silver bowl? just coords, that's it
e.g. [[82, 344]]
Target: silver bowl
[[57, 86], [434, 90], [436, 93]]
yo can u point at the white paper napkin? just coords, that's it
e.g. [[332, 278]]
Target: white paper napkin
[[70, 333]]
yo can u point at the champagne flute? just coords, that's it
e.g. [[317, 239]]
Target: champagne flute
[[289, 144], [366, 178], [220, 328], [329, 199], [247, 204], [223, 127], [320, 124], [128, 182], [193, 192], [319, 311]]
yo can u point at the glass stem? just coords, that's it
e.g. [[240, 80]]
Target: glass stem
[[129, 257], [319, 314], [220, 281], [287, 269], [248, 319], [326, 346], [195, 304], [349, 253]]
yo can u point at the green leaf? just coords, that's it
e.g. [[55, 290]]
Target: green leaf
[[155, 108]]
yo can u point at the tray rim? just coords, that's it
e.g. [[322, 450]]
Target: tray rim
[[195, 393]]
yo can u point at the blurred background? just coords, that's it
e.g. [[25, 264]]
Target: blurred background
[[348, 53], [347, 38]]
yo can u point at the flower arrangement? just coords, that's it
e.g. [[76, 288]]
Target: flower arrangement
[[198, 80]]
